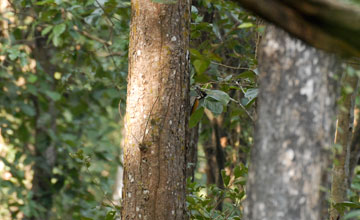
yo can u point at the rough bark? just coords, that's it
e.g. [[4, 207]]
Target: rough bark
[[327, 24], [343, 136], [157, 111], [294, 130]]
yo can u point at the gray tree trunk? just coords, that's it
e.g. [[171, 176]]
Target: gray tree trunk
[[157, 111], [294, 133]]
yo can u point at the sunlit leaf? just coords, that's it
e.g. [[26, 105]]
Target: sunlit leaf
[[246, 25], [201, 65], [53, 95], [59, 29], [46, 30]]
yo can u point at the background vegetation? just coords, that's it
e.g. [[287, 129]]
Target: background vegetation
[[63, 69]]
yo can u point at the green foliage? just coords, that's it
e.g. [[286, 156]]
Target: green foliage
[[222, 54], [351, 207], [196, 117], [62, 78], [63, 73], [223, 40], [203, 200]]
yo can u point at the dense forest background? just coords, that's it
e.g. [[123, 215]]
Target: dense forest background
[[64, 78]]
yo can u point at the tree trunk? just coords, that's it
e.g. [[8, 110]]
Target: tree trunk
[[157, 111], [192, 152], [45, 146], [215, 157], [343, 136], [294, 130]]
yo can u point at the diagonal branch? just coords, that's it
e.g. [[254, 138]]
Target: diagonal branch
[[327, 24]]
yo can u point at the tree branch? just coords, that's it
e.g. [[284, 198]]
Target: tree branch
[[327, 24]]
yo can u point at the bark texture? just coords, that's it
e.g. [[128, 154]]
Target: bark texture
[[343, 136], [291, 156], [157, 111], [327, 24]]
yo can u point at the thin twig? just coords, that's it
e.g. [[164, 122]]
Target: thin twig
[[107, 43], [111, 54], [106, 13], [230, 67], [243, 107], [99, 187], [147, 121]]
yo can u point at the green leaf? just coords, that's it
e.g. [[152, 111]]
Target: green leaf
[[195, 53], [190, 199], [46, 30], [218, 95], [59, 29], [246, 25], [196, 117], [216, 31], [237, 172], [214, 106], [201, 78], [352, 214], [13, 53], [28, 110], [201, 65], [353, 205], [13, 56], [227, 78], [32, 78], [256, 71], [110, 215], [45, 2], [225, 178], [247, 74], [57, 41], [53, 95], [251, 94]]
